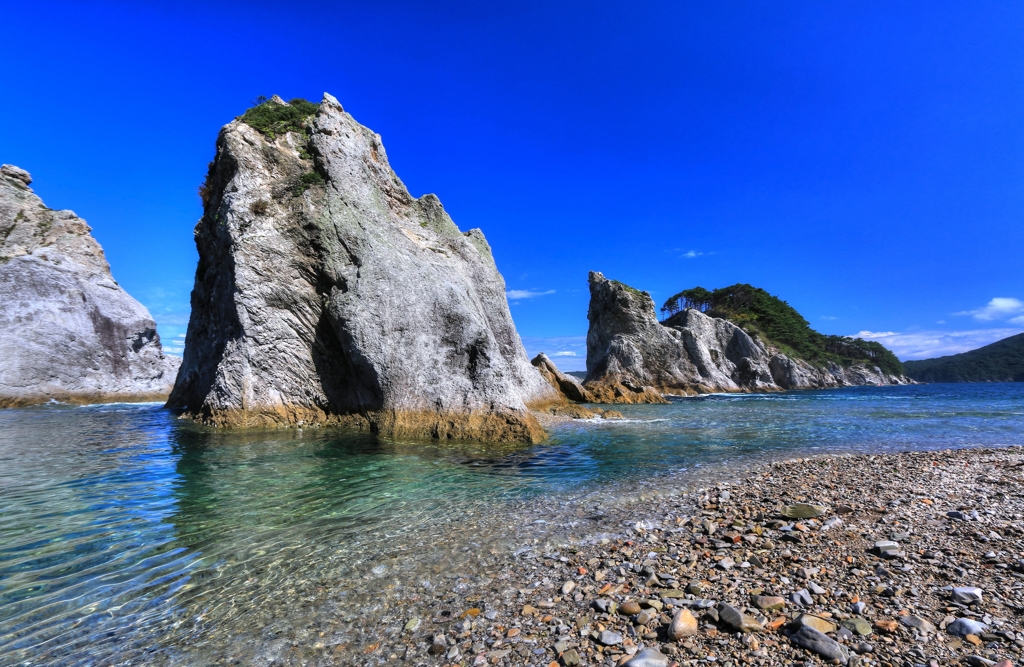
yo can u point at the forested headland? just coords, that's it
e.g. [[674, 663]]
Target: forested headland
[[774, 321]]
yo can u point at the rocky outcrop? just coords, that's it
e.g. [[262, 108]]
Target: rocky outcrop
[[569, 387], [634, 358], [327, 294], [68, 331]]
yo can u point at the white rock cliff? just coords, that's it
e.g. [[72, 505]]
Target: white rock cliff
[[68, 331], [327, 294], [634, 358]]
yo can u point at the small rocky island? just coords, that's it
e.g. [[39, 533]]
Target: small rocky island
[[634, 358], [68, 331], [327, 294]]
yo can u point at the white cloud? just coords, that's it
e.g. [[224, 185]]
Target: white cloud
[[570, 352], [691, 254], [997, 309], [516, 294], [829, 317], [1017, 320], [929, 344]]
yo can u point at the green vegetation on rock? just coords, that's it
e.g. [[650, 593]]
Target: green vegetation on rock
[[272, 118], [773, 320], [1002, 361]]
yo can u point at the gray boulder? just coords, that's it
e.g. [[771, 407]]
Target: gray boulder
[[327, 294], [68, 331]]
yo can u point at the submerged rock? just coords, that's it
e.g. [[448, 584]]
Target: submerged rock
[[68, 331], [634, 358], [327, 294]]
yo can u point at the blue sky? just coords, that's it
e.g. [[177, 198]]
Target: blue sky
[[862, 160]]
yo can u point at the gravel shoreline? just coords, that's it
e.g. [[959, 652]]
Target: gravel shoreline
[[893, 560]]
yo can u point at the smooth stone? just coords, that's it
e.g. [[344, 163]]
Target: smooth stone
[[816, 622], [803, 511], [629, 608], [648, 657], [726, 563], [962, 627], [571, 658], [412, 624], [858, 625], [568, 587], [802, 597], [917, 622], [858, 607], [695, 588], [609, 638], [767, 602], [862, 648], [816, 642], [684, 624], [646, 616], [815, 588], [736, 620], [887, 548], [967, 594]]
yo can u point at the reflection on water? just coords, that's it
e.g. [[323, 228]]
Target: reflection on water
[[128, 535]]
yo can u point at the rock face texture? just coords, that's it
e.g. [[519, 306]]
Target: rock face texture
[[68, 332], [327, 294], [634, 358]]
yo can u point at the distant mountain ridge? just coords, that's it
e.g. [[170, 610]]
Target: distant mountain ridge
[[1002, 361]]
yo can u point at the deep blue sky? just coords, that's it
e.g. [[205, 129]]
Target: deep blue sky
[[864, 161]]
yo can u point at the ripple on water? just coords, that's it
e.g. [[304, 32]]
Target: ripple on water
[[127, 534]]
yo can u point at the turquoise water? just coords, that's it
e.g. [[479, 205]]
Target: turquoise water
[[129, 536]]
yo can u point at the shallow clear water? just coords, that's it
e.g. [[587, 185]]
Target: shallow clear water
[[127, 535]]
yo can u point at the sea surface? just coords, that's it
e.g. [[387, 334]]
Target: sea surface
[[128, 536]]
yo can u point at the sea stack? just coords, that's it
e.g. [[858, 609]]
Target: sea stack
[[634, 358], [68, 331], [327, 294]]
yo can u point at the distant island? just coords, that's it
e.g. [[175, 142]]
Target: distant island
[[1002, 361]]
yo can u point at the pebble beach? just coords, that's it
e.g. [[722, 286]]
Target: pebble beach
[[891, 560]]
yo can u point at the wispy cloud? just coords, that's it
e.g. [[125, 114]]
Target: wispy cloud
[[517, 294], [928, 344], [829, 317], [998, 308], [690, 254], [568, 352]]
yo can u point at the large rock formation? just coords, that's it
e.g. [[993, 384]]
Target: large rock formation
[[68, 332], [327, 294], [634, 358]]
